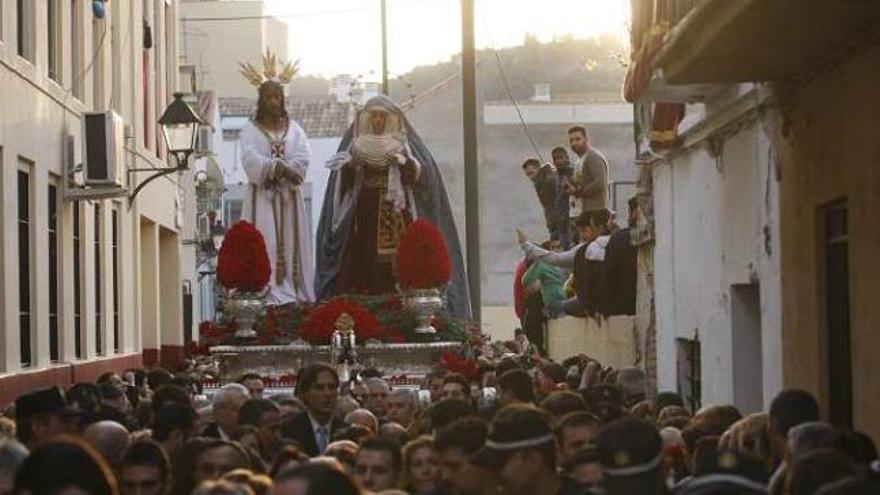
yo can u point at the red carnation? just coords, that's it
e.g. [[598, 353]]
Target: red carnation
[[243, 263], [451, 361], [320, 324], [422, 257]]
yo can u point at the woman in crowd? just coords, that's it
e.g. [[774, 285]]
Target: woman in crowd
[[420, 470]]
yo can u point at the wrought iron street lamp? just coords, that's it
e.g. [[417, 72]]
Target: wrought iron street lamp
[[180, 128]]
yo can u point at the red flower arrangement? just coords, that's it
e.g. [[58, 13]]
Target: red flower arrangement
[[454, 362], [243, 263], [422, 257], [320, 324]]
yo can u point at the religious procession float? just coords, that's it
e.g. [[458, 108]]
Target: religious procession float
[[385, 287]]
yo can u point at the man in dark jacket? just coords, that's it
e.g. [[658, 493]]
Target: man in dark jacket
[[544, 179], [621, 268], [318, 387], [568, 234]]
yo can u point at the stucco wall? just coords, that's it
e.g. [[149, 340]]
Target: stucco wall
[[832, 151], [710, 218]]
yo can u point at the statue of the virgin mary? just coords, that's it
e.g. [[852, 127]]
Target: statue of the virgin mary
[[382, 178]]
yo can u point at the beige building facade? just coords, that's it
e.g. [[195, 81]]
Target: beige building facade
[[90, 285]]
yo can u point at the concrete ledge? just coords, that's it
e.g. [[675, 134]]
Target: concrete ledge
[[611, 341]]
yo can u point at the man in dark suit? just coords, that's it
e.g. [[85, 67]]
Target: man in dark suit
[[318, 387]]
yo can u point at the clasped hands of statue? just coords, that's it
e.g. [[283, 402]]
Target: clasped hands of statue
[[408, 170], [282, 173]]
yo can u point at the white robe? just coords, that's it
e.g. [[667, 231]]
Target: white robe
[[258, 164]]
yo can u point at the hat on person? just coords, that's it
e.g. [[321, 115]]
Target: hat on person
[[630, 447], [516, 427], [46, 401]]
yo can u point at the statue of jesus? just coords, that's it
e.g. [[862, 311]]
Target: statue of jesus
[[275, 155], [382, 178]]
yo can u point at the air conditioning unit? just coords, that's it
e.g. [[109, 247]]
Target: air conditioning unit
[[103, 152], [205, 140]]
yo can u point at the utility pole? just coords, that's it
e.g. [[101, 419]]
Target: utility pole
[[384, 48], [471, 167]]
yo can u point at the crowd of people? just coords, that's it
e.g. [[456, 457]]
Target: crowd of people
[[587, 265], [521, 425]]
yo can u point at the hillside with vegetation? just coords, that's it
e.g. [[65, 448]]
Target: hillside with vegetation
[[579, 68]]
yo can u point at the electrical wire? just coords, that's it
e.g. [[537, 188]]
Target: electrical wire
[[510, 94]]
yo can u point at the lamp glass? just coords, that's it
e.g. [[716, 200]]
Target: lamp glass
[[181, 137]]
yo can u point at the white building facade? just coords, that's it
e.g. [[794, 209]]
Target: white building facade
[[90, 285], [715, 283]]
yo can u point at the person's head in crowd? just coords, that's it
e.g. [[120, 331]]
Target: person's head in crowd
[[456, 387], [454, 445], [318, 387], [43, 415], [378, 464], [551, 375], [219, 457], [248, 436], [111, 377], [631, 453], [187, 383], [170, 393], [788, 409], [531, 168], [183, 467], [516, 386], [521, 448], [507, 364], [421, 473], [222, 487], [254, 383], [403, 404], [442, 413], [110, 439], [344, 451], [260, 484], [226, 404], [585, 468], [665, 399], [174, 424], [694, 432], [674, 452], [574, 432], [434, 383], [561, 403], [356, 433], [63, 466], [858, 446], [605, 401], [704, 455], [345, 405], [365, 418], [645, 410], [12, 454], [669, 412], [289, 404], [750, 438], [113, 396], [632, 382], [315, 479], [377, 396], [560, 158], [811, 436], [289, 457], [157, 377], [677, 422], [578, 140], [258, 413], [592, 224], [722, 416], [808, 474], [394, 432], [145, 470]]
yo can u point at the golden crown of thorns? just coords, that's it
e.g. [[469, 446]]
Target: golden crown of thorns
[[273, 70]]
